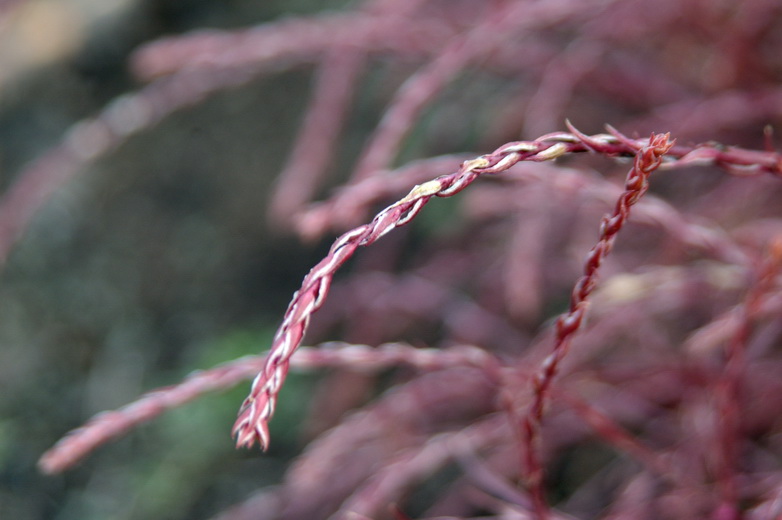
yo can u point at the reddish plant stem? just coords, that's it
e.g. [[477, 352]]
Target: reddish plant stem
[[730, 383], [258, 408], [647, 159], [106, 426]]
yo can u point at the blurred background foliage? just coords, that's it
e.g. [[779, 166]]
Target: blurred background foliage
[[156, 262], [158, 259]]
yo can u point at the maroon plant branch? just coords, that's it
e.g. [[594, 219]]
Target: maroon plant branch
[[109, 425], [350, 203], [258, 408], [647, 159], [729, 385]]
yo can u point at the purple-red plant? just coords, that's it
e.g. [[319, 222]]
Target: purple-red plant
[[561, 382]]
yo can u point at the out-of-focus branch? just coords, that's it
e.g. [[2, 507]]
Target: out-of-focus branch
[[110, 425]]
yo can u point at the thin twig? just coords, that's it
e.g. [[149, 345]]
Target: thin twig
[[647, 159], [107, 426], [729, 386], [258, 408]]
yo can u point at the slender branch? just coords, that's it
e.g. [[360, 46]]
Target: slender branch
[[258, 408], [647, 159], [107, 426], [729, 385]]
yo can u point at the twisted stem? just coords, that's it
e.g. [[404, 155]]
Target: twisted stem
[[258, 408], [647, 159]]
